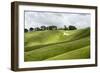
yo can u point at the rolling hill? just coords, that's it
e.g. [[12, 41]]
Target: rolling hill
[[57, 45]]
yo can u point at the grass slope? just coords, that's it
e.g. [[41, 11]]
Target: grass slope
[[50, 45], [81, 53]]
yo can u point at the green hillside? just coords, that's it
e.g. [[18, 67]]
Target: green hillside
[[57, 45]]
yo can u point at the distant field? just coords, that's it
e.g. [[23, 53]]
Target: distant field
[[57, 45]]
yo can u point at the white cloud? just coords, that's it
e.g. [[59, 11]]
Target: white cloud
[[37, 19]]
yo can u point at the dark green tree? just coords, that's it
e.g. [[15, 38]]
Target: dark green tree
[[52, 27], [43, 27], [65, 28], [37, 29], [72, 27], [25, 30], [31, 29]]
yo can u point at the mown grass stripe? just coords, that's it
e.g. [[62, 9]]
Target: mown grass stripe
[[36, 44], [81, 53], [50, 51]]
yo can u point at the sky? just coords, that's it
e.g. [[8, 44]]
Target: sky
[[37, 19]]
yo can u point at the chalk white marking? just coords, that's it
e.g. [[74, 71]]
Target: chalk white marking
[[66, 33]]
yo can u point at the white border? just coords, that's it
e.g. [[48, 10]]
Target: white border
[[23, 64]]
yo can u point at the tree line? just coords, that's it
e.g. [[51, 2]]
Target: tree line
[[42, 28]]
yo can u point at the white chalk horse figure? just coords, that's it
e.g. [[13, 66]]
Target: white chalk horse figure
[[66, 33]]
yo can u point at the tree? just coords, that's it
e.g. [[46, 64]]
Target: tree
[[43, 27], [52, 27], [31, 29], [37, 29], [47, 28], [25, 30], [72, 27], [65, 28], [60, 28]]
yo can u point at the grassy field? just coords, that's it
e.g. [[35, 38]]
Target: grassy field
[[57, 45]]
